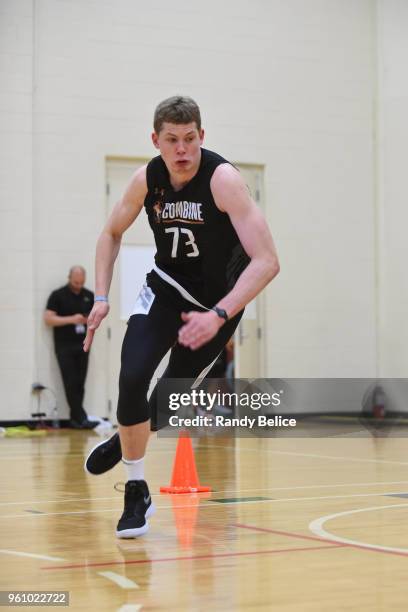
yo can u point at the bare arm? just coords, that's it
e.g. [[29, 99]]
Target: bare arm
[[52, 319], [232, 197], [108, 245]]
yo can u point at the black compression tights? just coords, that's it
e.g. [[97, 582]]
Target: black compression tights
[[147, 340]]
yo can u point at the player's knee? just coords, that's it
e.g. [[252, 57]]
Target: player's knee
[[133, 380], [132, 404], [132, 414]]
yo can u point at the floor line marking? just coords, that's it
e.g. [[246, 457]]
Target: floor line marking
[[318, 486], [209, 447], [297, 499], [130, 608], [316, 527], [205, 504], [122, 581], [67, 501], [193, 557], [4, 456], [18, 553], [158, 495], [289, 534], [339, 458]]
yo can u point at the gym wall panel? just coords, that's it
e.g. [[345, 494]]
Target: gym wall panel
[[17, 361], [392, 18]]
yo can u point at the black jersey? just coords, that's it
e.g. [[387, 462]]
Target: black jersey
[[197, 245]]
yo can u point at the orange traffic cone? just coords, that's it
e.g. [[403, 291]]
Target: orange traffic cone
[[184, 478]]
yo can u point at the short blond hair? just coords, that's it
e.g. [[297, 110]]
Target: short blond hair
[[178, 110]]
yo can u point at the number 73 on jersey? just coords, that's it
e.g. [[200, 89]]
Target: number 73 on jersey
[[177, 231]]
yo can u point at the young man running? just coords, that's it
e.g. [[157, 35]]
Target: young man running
[[214, 255]]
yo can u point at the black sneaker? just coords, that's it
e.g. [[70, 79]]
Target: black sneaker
[[138, 507], [85, 424], [104, 456]]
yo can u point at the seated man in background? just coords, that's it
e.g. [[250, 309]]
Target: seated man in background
[[67, 311]]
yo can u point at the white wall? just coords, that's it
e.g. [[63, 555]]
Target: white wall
[[16, 213], [393, 191], [319, 156], [284, 83]]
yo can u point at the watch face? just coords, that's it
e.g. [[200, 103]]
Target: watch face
[[221, 313]]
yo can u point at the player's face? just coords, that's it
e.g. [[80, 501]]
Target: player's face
[[179, 147]]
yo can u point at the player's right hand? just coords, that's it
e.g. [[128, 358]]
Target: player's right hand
[[97, 314]]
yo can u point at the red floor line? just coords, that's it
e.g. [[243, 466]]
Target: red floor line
[[317, 539], [189, 558], [289, 534]]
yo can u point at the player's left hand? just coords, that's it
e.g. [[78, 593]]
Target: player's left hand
[[199, 328]]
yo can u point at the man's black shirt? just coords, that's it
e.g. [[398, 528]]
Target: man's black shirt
[[65, 302]]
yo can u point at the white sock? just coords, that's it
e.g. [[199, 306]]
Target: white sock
[[134, 469]]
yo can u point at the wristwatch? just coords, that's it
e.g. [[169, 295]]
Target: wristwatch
[[220, 312]]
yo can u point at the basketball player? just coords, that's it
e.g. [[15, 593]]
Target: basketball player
[[214, 255]]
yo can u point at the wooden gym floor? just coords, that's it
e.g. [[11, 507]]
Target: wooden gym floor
[[292, 524]]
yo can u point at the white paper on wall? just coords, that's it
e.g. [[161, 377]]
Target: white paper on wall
[[135, 263]]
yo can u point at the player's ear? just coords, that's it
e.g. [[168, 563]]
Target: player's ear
[[201, 135], [155, 140]]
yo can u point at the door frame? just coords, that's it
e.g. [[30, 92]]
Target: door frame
[[260, 200]]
